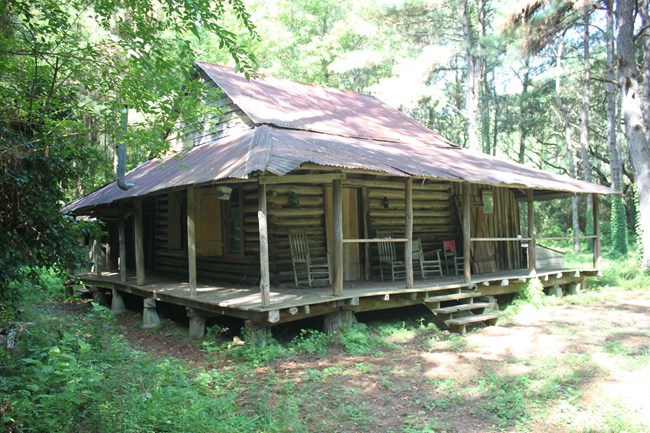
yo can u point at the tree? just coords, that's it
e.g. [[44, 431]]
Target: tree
[[569, 143], [67, 70], [636, 129], [584, 124], [618, 220], [475, 67]]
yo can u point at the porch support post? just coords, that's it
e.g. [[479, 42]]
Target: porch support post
[[191, 240], [117, 303], [337, 193], [139, 244], [336, 320], [122, 240], [467, 235], [197, 324], [594, 198], [532, 253], [150, 317], [265, 277], [97, 255], [408, 249]]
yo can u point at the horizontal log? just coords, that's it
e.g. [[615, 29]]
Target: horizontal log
[[301, 178], [417, 195], [295, 213], [417, 205], [396, 213], [386, 184], [283, 200], [401, 221], [297, 222], [298, 189]]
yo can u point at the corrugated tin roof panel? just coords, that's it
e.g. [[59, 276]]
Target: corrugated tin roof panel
[[280, 151], [289, 104]]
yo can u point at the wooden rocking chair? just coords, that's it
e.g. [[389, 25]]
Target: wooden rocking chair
[[388, 257], [451, 256], [304, 270], [427, 267]]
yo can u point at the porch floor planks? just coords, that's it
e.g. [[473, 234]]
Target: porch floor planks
[[213, 295]]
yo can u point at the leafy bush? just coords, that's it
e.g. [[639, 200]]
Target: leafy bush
[[34, 285], [311, 341], [532, 293], [358, 340], [72, 374]]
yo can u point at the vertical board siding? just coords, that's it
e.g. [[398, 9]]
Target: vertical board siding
[[228, 119], [503, 223]]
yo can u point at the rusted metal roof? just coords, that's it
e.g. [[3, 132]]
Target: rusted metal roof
[[299, 124], [288, 104], [269, 149]]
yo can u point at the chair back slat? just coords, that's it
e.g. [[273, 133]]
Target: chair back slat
[[299, 247], [386, 249]]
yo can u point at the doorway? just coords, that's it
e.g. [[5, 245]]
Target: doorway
[[353, 224]]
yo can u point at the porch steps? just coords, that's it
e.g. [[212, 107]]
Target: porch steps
[[458, 310]]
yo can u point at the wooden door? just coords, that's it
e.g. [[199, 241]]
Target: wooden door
[[208, 223], [483, 254], [352, 229]]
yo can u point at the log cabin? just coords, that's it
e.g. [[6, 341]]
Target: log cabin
[[298, 201]]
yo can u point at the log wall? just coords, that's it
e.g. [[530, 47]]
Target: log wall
[[381, 208], [240, 268], [282, 219]]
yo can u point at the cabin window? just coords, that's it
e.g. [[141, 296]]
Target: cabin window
[[487, 197], [232, 210]]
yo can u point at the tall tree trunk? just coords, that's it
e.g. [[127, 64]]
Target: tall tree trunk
[[486, 91], [568, 141], [636, 129], [523, 124], [474, 69], [495, 127], [645, 22], [618, 219], [584, 127]]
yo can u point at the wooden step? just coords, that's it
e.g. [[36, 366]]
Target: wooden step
[[460, 325], [452, 297], [462, 307], [473, 319]]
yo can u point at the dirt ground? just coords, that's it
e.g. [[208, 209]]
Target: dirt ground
[[582, 365]]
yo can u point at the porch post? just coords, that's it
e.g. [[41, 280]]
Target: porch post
[[594, 198], [532, 254], [97, 254], [191, 240], [337, 193], [467, 235], [265, 278], [139, 244], [122, 238], [408, 252]]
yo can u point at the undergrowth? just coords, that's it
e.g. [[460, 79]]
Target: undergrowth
[[72, 374]]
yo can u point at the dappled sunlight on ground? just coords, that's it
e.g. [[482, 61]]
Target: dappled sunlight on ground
[[559, 369]]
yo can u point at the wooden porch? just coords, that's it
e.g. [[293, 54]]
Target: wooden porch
[[288, 304]]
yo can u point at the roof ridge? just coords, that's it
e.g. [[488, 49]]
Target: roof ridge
[[274, 77]]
